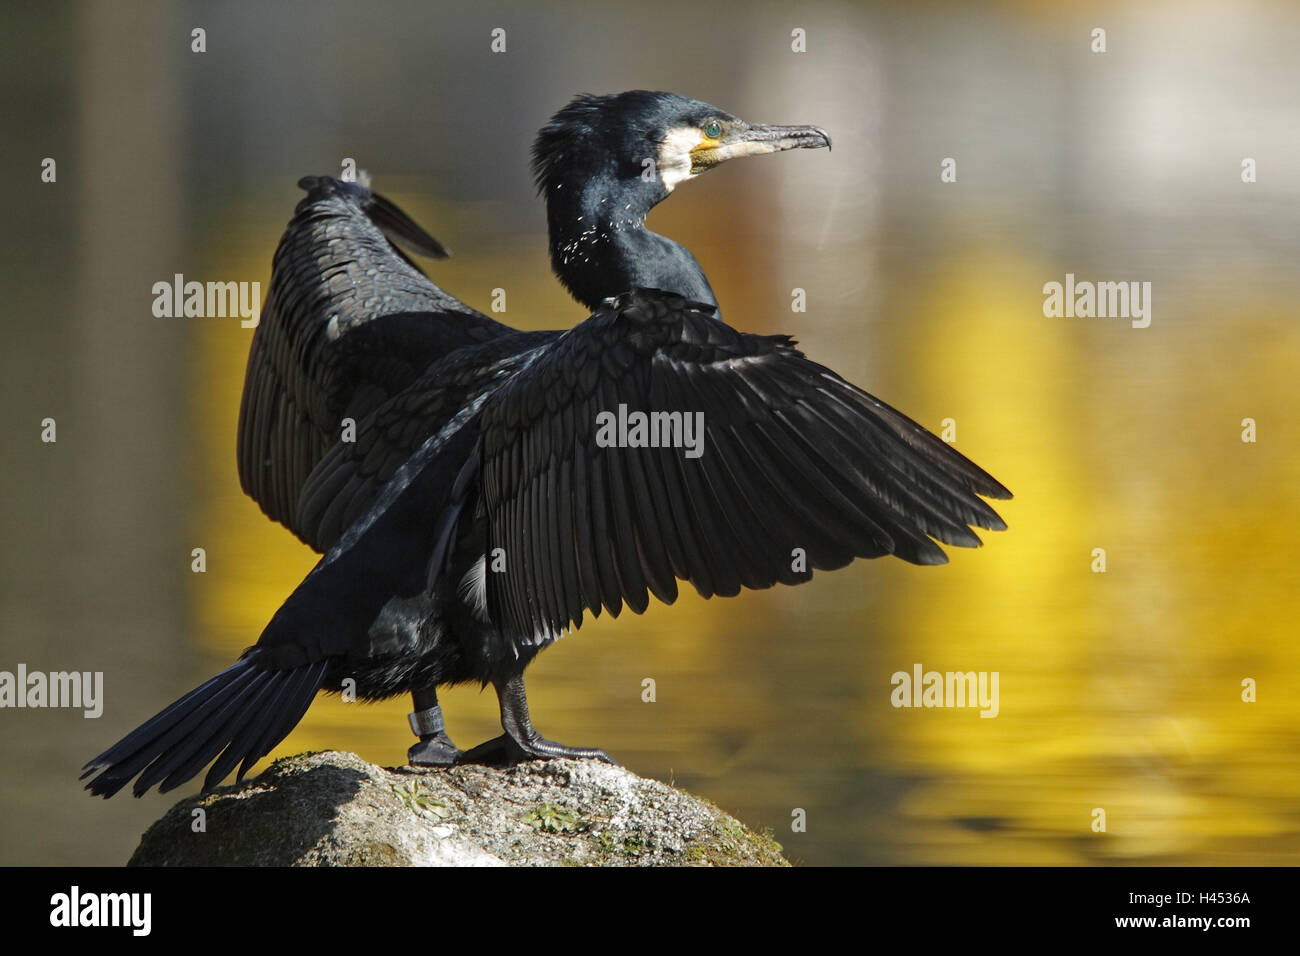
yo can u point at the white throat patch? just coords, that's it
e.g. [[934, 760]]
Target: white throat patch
[[674, 160]]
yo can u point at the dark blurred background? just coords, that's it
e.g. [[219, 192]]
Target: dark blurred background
[[1118, 690]]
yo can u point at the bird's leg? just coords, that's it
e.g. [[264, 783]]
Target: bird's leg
[[520, 741], [435, 748]]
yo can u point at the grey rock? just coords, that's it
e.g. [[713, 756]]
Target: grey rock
[[335, 809]]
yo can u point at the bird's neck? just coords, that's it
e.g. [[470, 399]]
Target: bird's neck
[[600, 247]]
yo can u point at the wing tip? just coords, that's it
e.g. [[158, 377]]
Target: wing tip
[[996, 490], [928, 558], [400, 228]]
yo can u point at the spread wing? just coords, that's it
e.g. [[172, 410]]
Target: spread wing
[[796, 470], [349, 322], [350, 475]]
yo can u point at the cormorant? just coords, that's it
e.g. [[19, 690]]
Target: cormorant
[[479, 513]]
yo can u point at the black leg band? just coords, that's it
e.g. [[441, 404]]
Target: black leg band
[[427, 722]]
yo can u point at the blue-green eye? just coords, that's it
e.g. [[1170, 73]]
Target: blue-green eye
[[712, 129]]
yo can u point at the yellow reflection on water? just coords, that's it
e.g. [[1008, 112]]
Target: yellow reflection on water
[[1119, 691]]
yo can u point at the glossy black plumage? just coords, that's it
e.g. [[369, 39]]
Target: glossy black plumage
[[476, 516], [349, 322], [790, 449]]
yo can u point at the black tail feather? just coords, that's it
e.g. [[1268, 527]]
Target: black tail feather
[[236, 741], [281, 717], [188, 756], [139, 750], [156, 725], [245, 710]]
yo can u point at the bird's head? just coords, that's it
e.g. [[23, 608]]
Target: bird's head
[[636, 147]]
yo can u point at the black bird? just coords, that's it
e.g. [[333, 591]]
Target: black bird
[[479, 514]]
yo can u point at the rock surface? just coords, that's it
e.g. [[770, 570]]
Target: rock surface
[[335, 809]]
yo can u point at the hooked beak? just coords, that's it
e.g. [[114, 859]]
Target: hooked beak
[[755, 141]]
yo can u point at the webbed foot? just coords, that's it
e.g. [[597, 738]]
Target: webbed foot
[[434, 751], [520, 742], [508, 751]]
